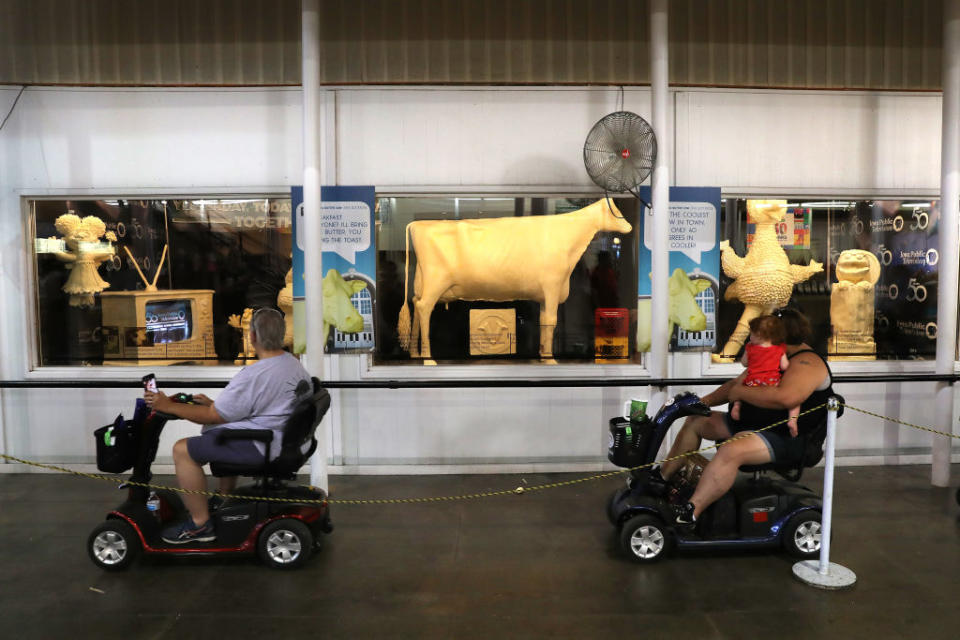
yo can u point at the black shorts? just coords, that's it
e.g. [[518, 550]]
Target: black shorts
[[205, 448], [782, 446]]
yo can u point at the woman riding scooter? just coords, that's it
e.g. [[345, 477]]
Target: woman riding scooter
[[806, 382]]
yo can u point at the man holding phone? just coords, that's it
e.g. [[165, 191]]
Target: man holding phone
[[261, 396]]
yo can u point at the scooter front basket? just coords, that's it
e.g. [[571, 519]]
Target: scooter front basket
[[629, 441]]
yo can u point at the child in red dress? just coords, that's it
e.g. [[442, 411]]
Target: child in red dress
[[765, 358]]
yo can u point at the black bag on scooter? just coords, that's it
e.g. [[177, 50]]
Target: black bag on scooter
[[117, 442], [628, 441]]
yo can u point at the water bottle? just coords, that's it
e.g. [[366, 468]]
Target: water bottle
[[153, 503]]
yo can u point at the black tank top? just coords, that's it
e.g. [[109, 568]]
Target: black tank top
[[752, 417]]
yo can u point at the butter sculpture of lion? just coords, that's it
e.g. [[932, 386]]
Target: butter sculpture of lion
[[852, 306]]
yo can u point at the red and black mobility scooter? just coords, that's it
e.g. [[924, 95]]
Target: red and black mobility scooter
[[281, 522]]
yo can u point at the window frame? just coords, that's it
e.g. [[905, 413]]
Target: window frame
[[864, 367], [479, 370], [366, 370], [30, 347]]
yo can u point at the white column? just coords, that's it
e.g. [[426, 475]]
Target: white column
[[658, 217], [313, 270], [949, 253]]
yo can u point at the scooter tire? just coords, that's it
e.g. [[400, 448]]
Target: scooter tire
[[798, 535], [285, 544], [645, 539], [114, 545]]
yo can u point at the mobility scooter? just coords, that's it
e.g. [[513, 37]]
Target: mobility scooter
[[757, 512], [283, 532]]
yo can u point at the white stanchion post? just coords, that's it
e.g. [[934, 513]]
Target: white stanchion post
[[826, 575]]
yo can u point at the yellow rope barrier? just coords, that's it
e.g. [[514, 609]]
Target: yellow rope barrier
[[908, 424], [468, 496]]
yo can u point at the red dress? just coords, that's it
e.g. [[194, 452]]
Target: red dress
[[763, 365]]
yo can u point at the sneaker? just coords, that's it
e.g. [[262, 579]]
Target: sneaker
[[683, 514], [189, 532], [215, 502]]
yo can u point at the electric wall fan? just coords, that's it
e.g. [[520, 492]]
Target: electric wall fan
[[619, 152]]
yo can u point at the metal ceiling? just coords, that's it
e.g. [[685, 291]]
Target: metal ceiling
[[835, 44]]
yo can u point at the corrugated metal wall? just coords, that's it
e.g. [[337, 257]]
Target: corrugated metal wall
[[842, 44]]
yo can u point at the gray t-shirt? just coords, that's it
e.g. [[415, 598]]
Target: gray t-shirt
[[263, 395]]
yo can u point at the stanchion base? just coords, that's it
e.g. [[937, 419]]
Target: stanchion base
[[838, 577]]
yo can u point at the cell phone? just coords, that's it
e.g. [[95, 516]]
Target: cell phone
[[149, 383]]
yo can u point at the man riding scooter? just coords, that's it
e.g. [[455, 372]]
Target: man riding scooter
[[261, 396]]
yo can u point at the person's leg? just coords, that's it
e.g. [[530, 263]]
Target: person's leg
[[694, 429], [190, 476], [735, 410], [718, 476], [227, 484]]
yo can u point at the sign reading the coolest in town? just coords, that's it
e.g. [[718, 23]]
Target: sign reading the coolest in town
[[694, 246]]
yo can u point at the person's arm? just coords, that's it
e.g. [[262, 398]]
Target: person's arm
[[784, 362], [792, 418], [721, 395], [805, 374], [199, 413]]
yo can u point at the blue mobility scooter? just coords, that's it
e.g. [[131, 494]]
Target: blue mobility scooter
[[759, 511], [283, 533]]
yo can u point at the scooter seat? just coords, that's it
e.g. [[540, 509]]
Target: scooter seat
[[297, 433]]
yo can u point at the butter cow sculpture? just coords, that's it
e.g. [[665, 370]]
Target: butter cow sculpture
[[852, 306], [338, 311], [764, 278], [499, 260], [684, 310]]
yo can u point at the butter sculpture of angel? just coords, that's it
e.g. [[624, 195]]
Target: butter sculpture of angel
[[83, 255]]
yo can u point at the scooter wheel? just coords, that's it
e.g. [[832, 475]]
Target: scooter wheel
[[802, 535], [114, 545], [644, 538], [285, 544]]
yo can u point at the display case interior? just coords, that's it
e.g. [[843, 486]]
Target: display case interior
[[167, 281], [859, 311], [498, 320]]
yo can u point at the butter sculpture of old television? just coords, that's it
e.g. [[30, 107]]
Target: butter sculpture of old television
[[151, 327]]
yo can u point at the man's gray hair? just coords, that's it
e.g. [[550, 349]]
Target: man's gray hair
[[268, 326]]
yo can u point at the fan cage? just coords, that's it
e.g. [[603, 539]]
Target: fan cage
[[620, 151]]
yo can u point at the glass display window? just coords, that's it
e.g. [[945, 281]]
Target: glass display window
[[153, 282], [875, 297], [489, 312]]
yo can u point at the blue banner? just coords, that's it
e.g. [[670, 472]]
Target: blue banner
[[694, 237], [349, 268]]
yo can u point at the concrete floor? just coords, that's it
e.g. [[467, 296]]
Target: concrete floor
[[541, 565]]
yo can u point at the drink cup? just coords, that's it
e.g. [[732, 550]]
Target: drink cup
[[635, 408]]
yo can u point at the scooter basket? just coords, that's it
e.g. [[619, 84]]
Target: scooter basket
[[629, 440], [116, 446]]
